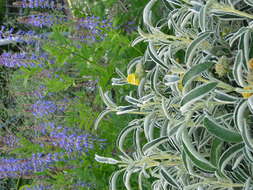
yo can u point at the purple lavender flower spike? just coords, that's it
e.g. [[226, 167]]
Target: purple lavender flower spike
[[13, 167], [43, 107], [17, 60], [44, 4]]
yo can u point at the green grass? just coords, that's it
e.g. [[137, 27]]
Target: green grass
[[2, 9]]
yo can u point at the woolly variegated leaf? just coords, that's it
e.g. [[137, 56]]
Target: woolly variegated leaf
[[228, 155], [224, 98], [105, 160], [113, 179], [100, 117], [191, 49], [237, 70], [167, 176], [194, 156], [239, 114], [221, 132], [153, 144], [196, 94], [122, 136], [195, 71], [216, 150], [246, 135], [149, 125], [155, 57]]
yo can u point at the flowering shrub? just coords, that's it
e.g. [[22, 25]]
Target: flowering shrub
[[55, 89], [193, 101]]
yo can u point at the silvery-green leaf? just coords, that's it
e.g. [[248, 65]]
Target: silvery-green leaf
[[106, 99], [175, 2], [141, 88], [122, 136], [239, 114], [118, 82], [171, 79], [120, 73], [126, 178], [221, 132], [216, 149], [153, 144], [155, 57], [137, 142], [132, 100], [237, 70], [100, 116], [113, 179], [148, 123], [250, 103], [202, 18], [190, 51], [126, 109], [246, 135], [248, 155], [195, 156], [105, 160], [238, 161], [137, 40], [224, 98], [196, 94], [154, 80], [166, 176], [249, 2], [131, 65], [174, 24], [229, 154], [226, 16], [246, 44], [237, 35], [195, 70], [147, 12]]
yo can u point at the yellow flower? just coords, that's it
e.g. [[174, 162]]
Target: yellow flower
[[246, 94], [250, 63], [133, 79]]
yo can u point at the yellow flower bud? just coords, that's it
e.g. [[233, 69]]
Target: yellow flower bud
[[246, 94], [133, 79]]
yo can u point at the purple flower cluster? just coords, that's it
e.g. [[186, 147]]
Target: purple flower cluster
[[41, 20], [11, 141], [13, 167], [69, 139], [37, 187], [43, 107], [43, 4], [19, 36], [94, 27], [18, 59]]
